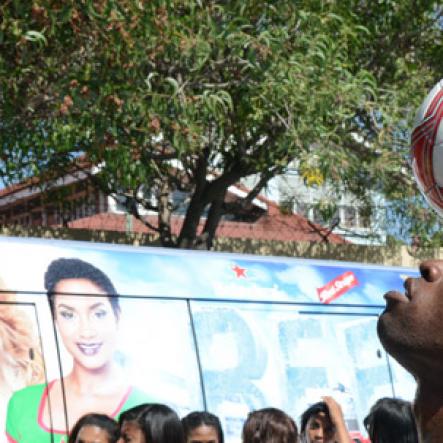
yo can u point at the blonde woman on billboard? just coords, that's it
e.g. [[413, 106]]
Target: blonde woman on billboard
[[20, 358], [86, 311]]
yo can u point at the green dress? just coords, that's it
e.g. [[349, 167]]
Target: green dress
[[24, 422]]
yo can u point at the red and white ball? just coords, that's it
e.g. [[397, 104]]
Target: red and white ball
[[427, 147]]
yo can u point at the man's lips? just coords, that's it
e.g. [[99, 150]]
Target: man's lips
[[395, 296]]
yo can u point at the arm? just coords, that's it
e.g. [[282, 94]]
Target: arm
[[337, 419]]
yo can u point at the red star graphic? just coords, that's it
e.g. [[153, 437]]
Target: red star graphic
[[239, 272]]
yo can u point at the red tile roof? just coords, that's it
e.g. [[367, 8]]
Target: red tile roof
[[272, 226], [79, 164], [29, 183]]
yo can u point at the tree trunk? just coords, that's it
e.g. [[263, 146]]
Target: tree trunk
[[214, 216], [188, 233], [164, 215]]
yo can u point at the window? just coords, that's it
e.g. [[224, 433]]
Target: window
[[349, 217]]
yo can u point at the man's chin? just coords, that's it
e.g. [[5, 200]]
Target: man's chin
[[391, 335], [400, 344], [385, 326]]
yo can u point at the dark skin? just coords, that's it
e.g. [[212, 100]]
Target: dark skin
[[411, 330]]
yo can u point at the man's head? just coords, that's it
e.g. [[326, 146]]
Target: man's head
[[411, 326]]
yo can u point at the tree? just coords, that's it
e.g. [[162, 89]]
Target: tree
[[195, 95]]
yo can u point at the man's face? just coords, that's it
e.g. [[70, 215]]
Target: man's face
[[411, 326]]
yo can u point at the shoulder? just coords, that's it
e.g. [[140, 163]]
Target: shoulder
[[22, 412], [27, 394]]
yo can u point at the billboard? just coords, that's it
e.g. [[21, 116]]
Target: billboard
[[195, 330]]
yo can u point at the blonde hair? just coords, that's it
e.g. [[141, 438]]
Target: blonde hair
[[22, 362]]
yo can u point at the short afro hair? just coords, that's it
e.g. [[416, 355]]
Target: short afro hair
[[74, 268]]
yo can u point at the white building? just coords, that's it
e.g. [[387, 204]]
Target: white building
[[350, 220]]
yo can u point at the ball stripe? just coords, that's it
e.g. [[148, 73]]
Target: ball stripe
[[426, 148], [432, 115]]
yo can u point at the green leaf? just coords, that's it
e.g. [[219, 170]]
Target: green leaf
[[36, 36]]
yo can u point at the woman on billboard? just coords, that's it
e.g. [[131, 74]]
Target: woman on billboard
[[21, 363], [86, 311]]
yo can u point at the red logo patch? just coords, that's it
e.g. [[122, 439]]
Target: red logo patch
[[337, 287]]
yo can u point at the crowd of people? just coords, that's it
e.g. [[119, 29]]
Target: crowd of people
[[389, 420]]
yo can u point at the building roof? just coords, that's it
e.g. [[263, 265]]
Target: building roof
[[271, 226], [268, 221], [29, 183], [32, 185]]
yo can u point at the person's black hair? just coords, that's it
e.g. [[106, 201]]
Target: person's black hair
[[158, 423], [391, 419], [313, 410], [74, 268], [269, 425], [101, 421], [132, 414], [202, 418]]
